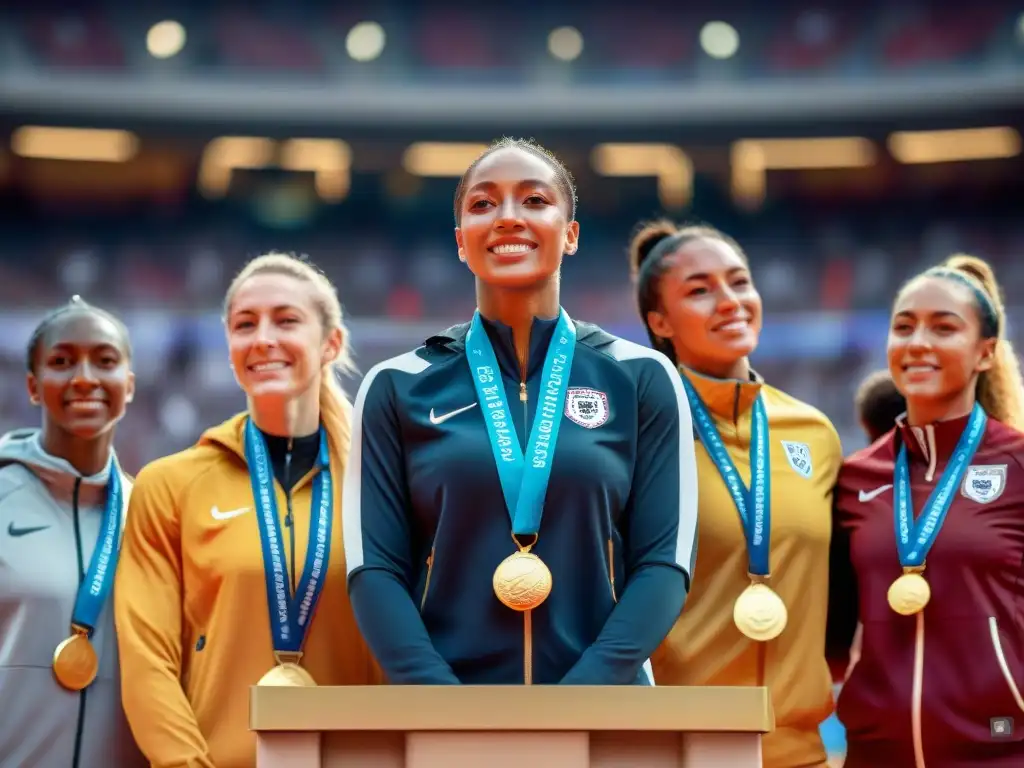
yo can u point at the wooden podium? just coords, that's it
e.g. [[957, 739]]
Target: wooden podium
[[509, 727]]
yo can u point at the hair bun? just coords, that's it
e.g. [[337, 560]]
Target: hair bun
[[645, 240], [976, 268]]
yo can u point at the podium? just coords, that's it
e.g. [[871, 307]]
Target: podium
[[509, 727]]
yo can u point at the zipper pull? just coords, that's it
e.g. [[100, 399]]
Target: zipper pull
[[522, 391], [288, 480]]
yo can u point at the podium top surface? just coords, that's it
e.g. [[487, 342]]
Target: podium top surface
[[511, 708]]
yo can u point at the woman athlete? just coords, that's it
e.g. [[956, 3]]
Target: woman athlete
[[519, 504], [233, 569], [63, 497], [767, 465], [929, 541]]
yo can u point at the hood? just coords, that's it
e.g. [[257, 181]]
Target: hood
[[228, 435], [23, 447]]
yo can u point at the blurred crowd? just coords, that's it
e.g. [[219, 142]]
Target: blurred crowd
[[487, 43]]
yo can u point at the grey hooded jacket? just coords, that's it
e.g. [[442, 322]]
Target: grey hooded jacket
[[49, 523]]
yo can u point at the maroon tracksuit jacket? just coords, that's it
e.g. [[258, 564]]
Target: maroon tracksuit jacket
[[942, 689]]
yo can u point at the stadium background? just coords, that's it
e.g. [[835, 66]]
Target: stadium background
[[151, 149]]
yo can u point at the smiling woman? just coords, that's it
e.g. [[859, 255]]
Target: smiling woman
[[767, 463], [235, 544], [947, 485], [62, 500], [519, 505]]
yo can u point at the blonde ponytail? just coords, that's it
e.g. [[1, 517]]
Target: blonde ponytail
[[336, 411], [1001, 388]]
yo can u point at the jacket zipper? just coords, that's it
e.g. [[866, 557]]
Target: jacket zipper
[[426, 584], [527, 615], [917, 687], [289, 520], [611, 569], [917, 681], [80, 727]]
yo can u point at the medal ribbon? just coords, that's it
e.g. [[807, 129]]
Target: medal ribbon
[[290, 614], [99, 579], [914, 539], [524, 483], [753, 504]]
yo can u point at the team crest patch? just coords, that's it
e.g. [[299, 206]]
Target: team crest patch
[[984, 483], [799, 455], [587, 407]]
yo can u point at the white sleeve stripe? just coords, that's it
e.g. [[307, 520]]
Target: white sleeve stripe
[[623, 350], [352, 491]]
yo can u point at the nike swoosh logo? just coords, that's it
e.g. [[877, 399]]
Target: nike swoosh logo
[[866, 496], [218, 515], [445, 416], [15, 532]]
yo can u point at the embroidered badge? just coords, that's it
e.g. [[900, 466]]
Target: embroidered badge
[[799, 455], [586, 407], [984, 483], [1001, 727]]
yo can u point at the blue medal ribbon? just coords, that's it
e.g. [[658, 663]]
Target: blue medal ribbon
[[290, 614], [524, 478], [914, 539], [753, 504], [99, 579]]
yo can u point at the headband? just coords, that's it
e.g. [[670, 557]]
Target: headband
[[990, 318]]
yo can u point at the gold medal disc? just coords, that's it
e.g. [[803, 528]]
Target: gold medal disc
[[909, 594], [75, 663], [288, 675], [759, 613], [522, 581]]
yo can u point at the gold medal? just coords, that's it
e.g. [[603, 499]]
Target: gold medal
[[522, 581], [759, 613], [288, 673], [75, 662], [909, 594]]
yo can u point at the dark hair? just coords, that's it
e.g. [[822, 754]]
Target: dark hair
[[566, 183], [649, 248], [878, 404], [76, 304]]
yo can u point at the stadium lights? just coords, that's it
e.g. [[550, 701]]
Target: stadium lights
[[330, 161], [719, 40], [751, 159], [912, 147], [668, 163], [798, 154], [84, 144], [439, 158], [365, 41], [165, 39], [565, 43], [226, 154]]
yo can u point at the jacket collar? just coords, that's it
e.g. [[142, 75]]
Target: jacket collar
[[931, 444], [725, 398], [454, 339]]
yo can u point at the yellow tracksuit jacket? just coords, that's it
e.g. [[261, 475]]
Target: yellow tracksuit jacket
[[705, 647], [191, 606]]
